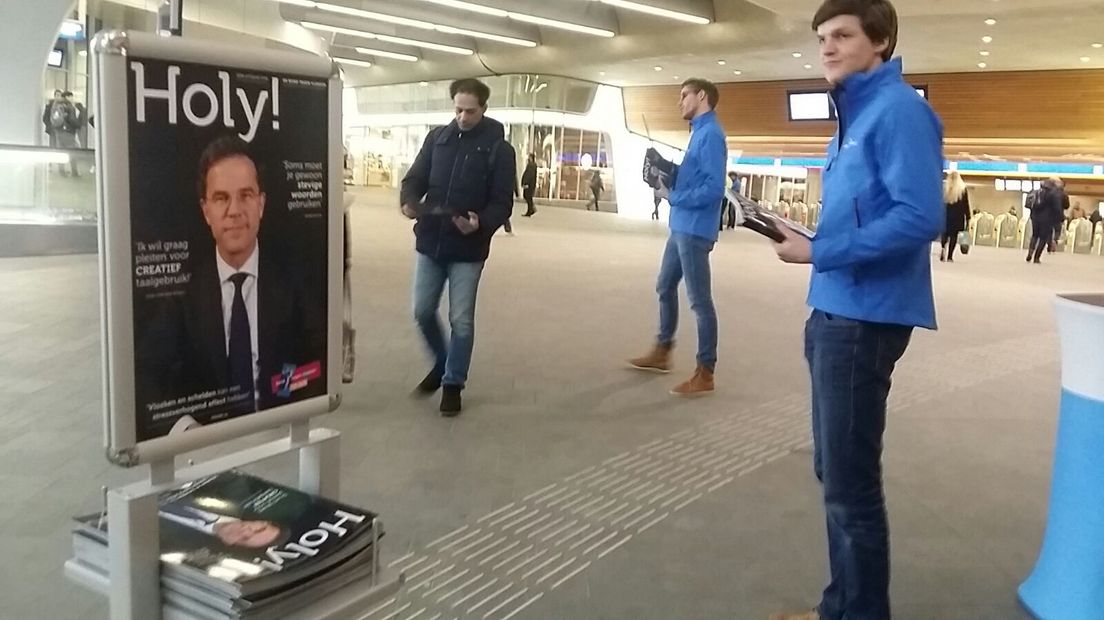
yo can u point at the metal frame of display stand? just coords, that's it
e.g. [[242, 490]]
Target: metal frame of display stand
[[133, 584]]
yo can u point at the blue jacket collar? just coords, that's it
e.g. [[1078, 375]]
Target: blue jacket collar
[[708, 117], [860, 87]]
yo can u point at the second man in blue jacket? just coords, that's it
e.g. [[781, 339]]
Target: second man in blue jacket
[[695, 210]]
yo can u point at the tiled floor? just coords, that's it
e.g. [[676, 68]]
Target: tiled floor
[[552, 414]]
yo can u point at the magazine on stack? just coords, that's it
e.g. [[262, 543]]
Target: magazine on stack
[[237, 546]]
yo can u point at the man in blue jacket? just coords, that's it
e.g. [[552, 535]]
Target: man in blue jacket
[[695, 210], [460, 189], [870, 286]]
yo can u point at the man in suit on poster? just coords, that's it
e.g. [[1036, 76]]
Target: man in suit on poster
[[244, 322]]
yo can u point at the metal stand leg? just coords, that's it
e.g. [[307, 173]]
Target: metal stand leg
[[319, 464], [135, 563]]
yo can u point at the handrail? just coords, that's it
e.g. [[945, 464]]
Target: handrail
[[36, 148]]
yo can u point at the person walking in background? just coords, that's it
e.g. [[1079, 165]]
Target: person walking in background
[[529, 185], [596, 188], [871, 285], [458, 209], [695, 206], [1046, 219], [957, 201], [656, 199]]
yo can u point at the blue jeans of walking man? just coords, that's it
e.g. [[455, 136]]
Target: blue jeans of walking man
[[454, 358], [850, 363], [686, 257]]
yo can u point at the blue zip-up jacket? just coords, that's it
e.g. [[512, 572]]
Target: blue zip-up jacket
[[696, 197], [882, 203]]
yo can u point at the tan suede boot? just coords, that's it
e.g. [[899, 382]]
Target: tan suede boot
[[657, 360], [698, 385]]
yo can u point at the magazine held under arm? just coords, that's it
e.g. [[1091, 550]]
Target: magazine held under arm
[[766, 223], [657, 168]]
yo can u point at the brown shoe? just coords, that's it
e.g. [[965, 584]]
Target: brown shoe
[[698, 385], [808, 615], [657, 360]]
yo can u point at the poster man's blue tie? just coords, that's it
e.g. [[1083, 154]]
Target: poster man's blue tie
[[241, 348]]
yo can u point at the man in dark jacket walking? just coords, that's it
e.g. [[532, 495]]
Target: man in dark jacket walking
[[460, 190], [529, 185], [1046, 218]]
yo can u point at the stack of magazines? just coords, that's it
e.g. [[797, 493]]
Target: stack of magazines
[[237, 546]]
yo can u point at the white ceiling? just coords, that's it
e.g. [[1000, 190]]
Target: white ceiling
[[756, 37]]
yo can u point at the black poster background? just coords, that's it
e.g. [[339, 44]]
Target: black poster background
[[180, 357]]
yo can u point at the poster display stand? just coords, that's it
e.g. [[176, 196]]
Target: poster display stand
[[221, 260]]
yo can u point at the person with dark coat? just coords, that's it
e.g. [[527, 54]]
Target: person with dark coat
[[529, 185], [596, 187], [957, 201], [460, 190], [1046, 218]]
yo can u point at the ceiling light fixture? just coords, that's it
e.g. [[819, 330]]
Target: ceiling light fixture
[[601, 73], [1098, 45], [657, 68], [738, 72], [640, 7], [796, 54], [808, 66], [352, 61], [388, 38], [987, 39], [982, 65], [521, 17], [722, 63], [367, 51], [1085, 59], [984, 52], [990, 22], [310, 4], [423, 83], [423, 25]]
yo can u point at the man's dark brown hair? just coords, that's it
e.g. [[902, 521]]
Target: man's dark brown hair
[[471, 86], [878, 17], [699, 85]]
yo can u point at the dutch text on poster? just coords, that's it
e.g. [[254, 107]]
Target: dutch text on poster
[[228, 189]]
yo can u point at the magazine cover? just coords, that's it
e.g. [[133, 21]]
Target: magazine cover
[[766, 223], [242, 536], [229, 196]]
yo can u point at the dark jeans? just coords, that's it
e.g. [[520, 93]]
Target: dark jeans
[[949, 241], [850, 363], [529, 208], [1041, 236], [597, 194]]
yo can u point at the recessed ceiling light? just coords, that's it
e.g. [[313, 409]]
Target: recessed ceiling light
[[1085, 59], [368, 51], [738, 72], [1098, 45], [990, 22], [601, 73], [984, 52], [423, 83], [352, 61], [674, 77], [388, 38], [722, 63], [657, 68], [982, 65], [652, 10], [796, 54], [987, 39], [808, 66]]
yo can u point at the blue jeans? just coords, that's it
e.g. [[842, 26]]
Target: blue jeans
[[687, 257], [850, 363], [452, 360]]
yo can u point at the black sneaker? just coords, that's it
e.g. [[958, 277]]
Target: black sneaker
[[429, 385], [450, 401]]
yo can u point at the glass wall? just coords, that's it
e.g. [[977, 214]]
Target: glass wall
[[384, 137]]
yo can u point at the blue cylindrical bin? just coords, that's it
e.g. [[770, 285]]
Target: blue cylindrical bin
[[1068, 580]]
